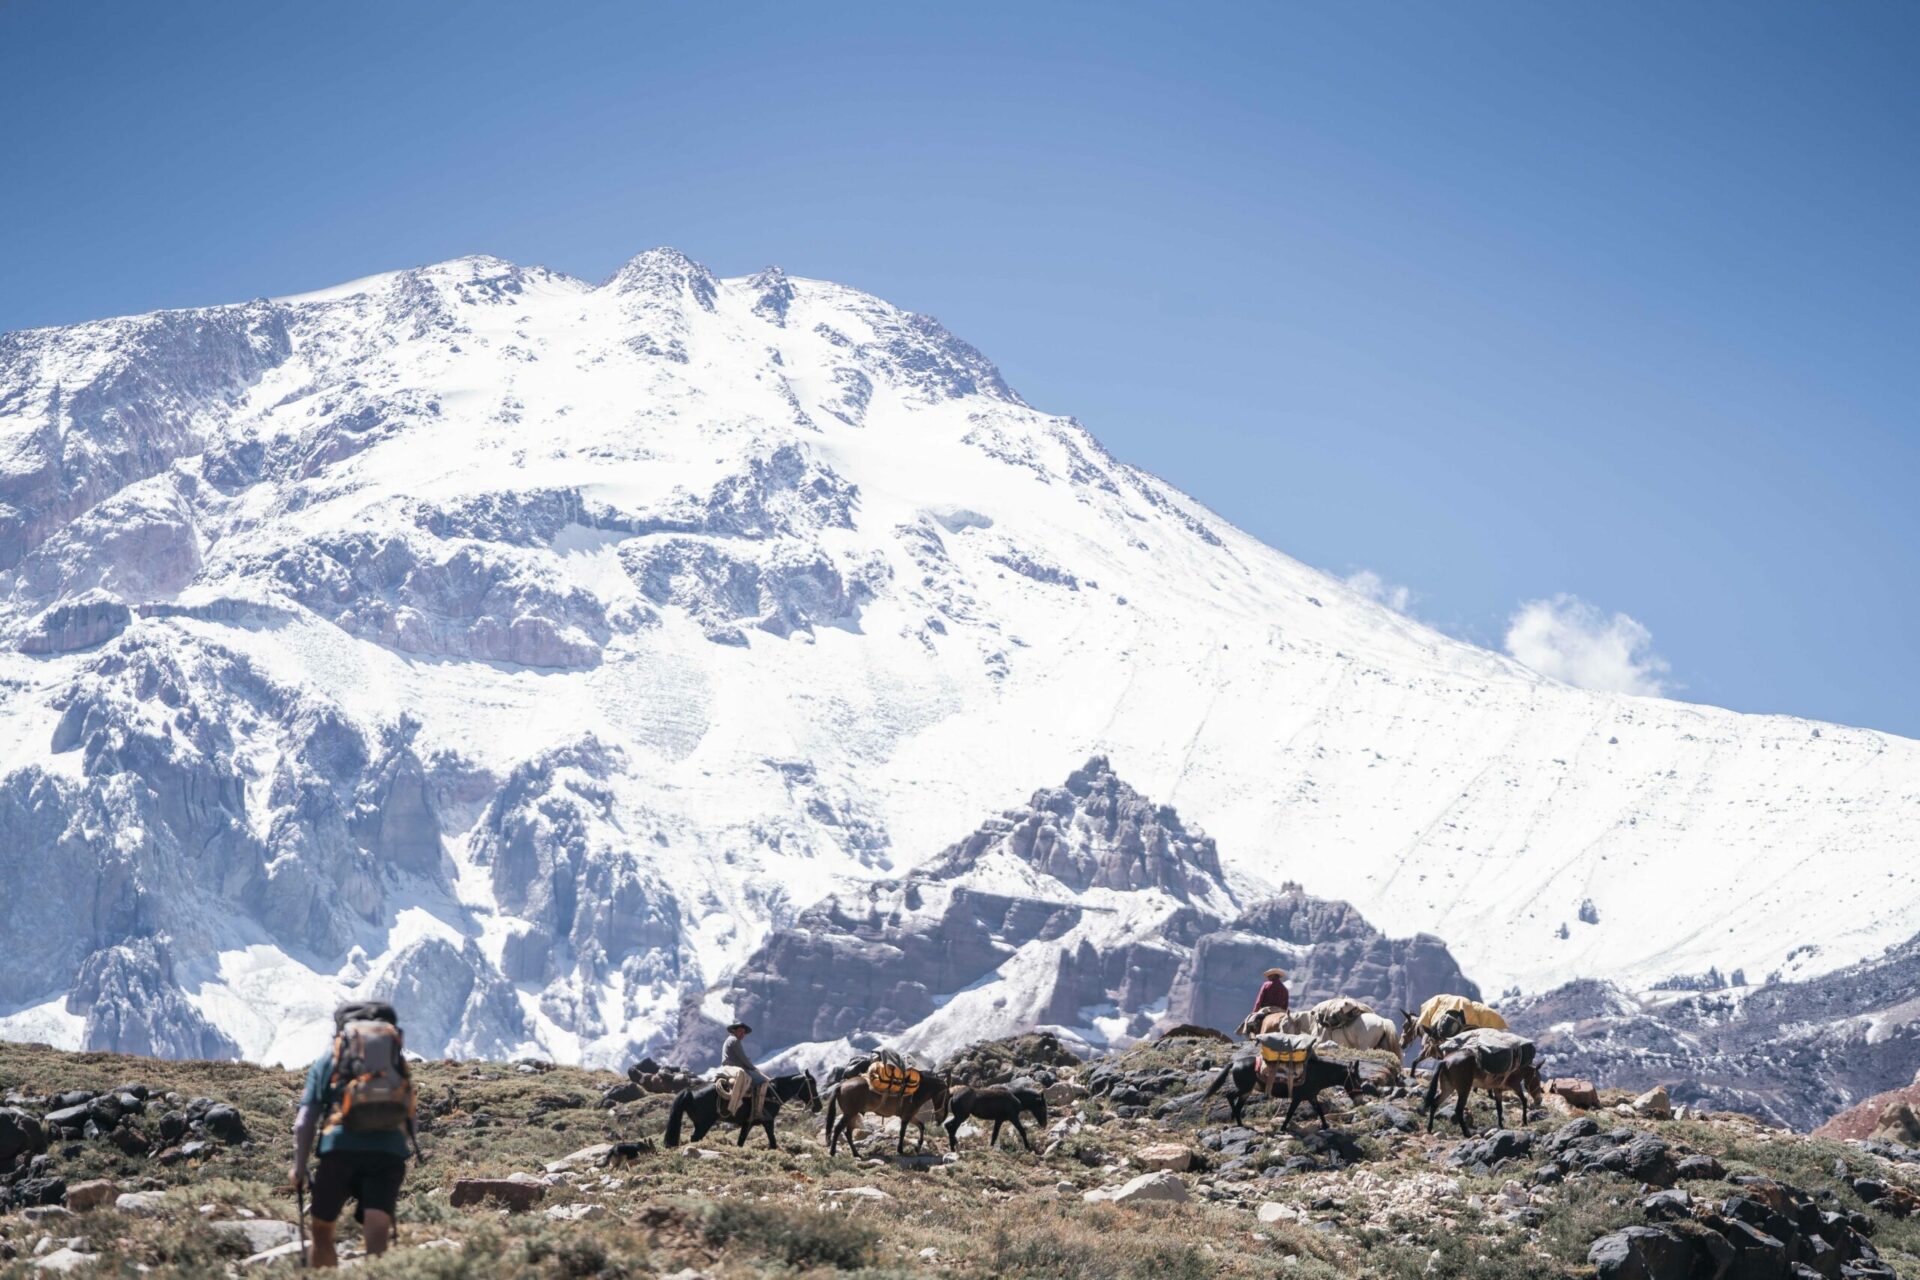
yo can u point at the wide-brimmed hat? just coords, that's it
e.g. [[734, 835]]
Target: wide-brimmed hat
[[741, 1027], [1275, 973]]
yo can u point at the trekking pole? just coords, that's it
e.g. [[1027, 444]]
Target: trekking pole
[[300, 1198]]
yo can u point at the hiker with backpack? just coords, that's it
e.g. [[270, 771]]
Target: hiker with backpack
[[359, 1100]]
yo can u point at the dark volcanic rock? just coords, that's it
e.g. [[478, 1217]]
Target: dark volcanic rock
[[1643, 1253], [20, 1134]]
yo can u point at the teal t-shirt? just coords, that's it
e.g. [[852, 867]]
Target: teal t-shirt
[[322, 1100]]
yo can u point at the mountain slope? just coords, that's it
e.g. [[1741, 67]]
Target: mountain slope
[[478, 631]]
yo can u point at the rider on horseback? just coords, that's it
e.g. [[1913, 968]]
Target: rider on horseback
[[1273, 996], [734, 1054]]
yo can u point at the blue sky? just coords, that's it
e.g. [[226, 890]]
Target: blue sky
[[1502, 303]]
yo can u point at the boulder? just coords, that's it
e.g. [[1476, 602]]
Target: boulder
[[225, 1123], [1699, 1168], [857, 1193], [130, 1140], [1642, 1253], [1158, 1186], [585, 1158], [259, 1234], [69, 1121], [40, 1190], [1898, 1123], [1654, 1104], [1170, 1156], [511, 1194], [65, 1258], [1272, 1212], [20, 1134], [1577, 1092], [1667, 1206], [82, 1196], [1758, 1254], [1490, 1149], [142, 1204], [581, 1212], [40, 1214]]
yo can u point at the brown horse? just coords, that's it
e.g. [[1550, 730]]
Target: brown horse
[[853, 1099], [1459, 1073], [1296, 1023]]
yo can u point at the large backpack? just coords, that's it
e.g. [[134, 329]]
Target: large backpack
[[372, 1088]]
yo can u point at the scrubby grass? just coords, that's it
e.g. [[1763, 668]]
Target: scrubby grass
[[735, 1213], [800, 1237]]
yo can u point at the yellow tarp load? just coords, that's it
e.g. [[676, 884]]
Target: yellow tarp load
[[890, 1078], [1472, 1012], [1285, 1056]]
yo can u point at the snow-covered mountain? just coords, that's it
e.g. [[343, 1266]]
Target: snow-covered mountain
[[534, 649]]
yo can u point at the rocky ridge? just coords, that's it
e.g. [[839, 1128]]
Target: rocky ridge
[[1794, 1052], [1090, 912]]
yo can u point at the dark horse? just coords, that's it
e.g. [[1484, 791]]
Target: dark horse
[[1244, 1077], [1456, 1075], [999, 1104], [701, 1106]]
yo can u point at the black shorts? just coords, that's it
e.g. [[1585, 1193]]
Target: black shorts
[[370, 1178]]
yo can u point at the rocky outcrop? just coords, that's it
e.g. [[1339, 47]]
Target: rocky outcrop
[[132, 1005], [1090, 910], [1327, 950], [1795, 1053], [149, 390], [78, 624]]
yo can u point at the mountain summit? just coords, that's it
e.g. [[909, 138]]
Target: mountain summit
[[535, 649]]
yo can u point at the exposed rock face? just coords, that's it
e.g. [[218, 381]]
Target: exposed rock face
[[1327, 950], [1796, 1053], [128, 995], [1091, 910], [77, 624]]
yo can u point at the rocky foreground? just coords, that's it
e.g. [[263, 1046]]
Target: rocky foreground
[[116, 1165]]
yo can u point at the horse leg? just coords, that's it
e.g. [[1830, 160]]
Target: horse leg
[[994, 1141], [1019, 1129], [773, 1144], [1321, 1112], [1293, 1100], [1499, 1114]]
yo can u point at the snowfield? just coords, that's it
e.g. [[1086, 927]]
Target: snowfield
[[529, 649]]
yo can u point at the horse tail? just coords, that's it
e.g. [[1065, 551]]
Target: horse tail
[[1226, 1073], [675, 1114], [833, 1110]]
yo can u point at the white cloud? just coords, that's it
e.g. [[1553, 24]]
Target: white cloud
[[1379, 590], [1570, 640]]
